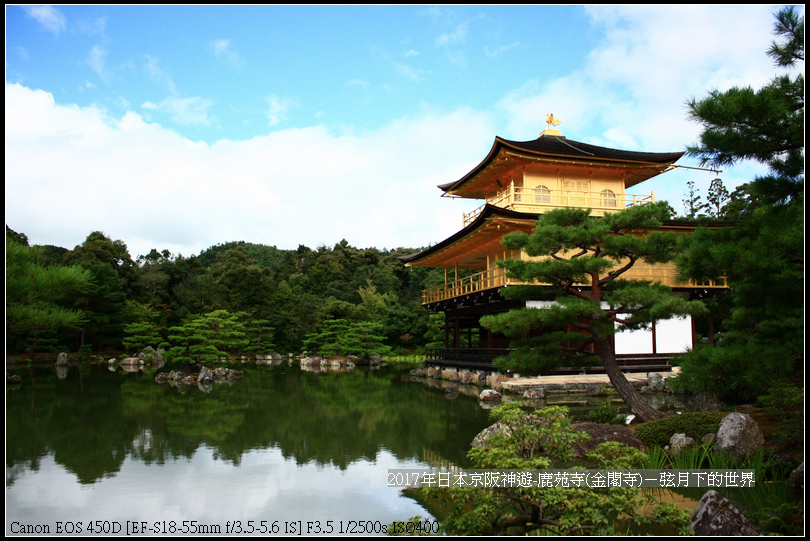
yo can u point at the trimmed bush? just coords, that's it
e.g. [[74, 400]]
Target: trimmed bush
[[695, 425]]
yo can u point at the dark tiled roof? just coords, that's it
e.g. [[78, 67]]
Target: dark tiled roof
[[559, 147]]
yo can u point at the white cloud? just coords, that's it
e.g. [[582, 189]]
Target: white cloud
[[71, 170], [450, 41], [156, 73], [457, 35], [277, 109], [356, 83], [152, 188], [50, 18], [631, 91], [188, 111], [407, 71], [96, 60], [498, 51], [224, 53]]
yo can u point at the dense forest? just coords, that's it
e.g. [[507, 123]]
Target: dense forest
[[114, 303]]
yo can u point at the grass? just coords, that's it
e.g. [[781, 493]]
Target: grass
[[410, 360]]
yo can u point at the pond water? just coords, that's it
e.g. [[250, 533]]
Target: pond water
[[280, 445]]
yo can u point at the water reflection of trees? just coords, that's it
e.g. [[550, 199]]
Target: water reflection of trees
[[93, 420]]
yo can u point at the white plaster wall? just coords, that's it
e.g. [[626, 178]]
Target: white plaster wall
[[671, 335], [634, 342]]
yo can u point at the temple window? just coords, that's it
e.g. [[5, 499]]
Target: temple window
[[542, 195], [608, 199]]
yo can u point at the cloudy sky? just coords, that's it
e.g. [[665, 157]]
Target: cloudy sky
[[183, 127]]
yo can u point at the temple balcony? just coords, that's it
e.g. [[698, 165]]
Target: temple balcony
[[663, 273], [540, 200]]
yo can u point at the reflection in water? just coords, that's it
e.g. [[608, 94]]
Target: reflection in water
[[279, 444]]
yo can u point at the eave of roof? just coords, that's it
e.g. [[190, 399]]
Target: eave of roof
[[489, 212], [551, 148]]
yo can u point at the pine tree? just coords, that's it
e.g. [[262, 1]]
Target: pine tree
[[762, 258], [37, 296], [692, 205], [206, 338], [583, 259], [765, 125]]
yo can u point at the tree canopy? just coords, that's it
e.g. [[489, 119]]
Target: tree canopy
[[39, 297], [761, 318], [582, 259], [765, 125], [281, 296]]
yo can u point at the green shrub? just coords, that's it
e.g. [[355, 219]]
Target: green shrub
[[606, 415], [694, 425], [785, 403]]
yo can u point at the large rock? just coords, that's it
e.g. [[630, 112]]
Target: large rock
[[206, 376], [489, 395], [534, 394], [715, 515], [797, 477], [498, 428], [679, 442], [738, 434], [600, 433], [703, 401], [656, 382]]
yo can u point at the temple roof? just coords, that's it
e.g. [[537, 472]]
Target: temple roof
[[558, 151], [468, 247]]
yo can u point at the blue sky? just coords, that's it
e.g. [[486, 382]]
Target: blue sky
[[183, 127]]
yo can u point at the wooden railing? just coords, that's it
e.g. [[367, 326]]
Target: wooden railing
[[532, 201], [471, 284], [662, 273]]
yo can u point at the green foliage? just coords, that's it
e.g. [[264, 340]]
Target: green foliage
[[617, 456], [38, 296], [785, 402], [85, 352], [542, 435], [766, 125], [761, 257], [258, 334], [580, 249], [785, 519], [341, 337], [763, 316], [291, 292], [206, 338], [19, 238], [695, 425], [364, 339], [692, 205], [672, 515], [141, 334], [583, 259], [531, 441], [606, 414]]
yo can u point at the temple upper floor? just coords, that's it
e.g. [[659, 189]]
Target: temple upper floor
[[553, 172]]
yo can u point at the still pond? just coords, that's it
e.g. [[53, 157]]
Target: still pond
[[281, 445]]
